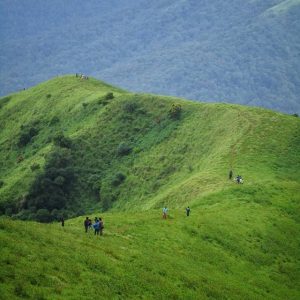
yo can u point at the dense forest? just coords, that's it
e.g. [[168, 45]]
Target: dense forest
[[240, 51]]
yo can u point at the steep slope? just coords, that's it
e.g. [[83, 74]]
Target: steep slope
[[69, 146], [240, 51]]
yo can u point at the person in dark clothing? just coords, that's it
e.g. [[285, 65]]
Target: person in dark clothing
[[230, 174], [188, 210], [101, 226], [90, 223], [62, 220], [86, 224], [97, 227]]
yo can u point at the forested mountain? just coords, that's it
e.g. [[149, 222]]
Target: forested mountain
[[239, 51]]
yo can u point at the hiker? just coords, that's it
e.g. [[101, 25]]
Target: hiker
[[101, 226], [62, 220], [230, 174], [188, 210], [165, 212], [97, 227], [86, 224], [90, 223], [239, 179]]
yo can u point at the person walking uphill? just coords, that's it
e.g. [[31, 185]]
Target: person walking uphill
[[188, 210], [97, 227], [165, 212], [86, 224], [101, 226]]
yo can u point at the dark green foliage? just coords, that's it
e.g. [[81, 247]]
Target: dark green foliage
[[94, 183], [26, 135], [54, 120], [48, 96], [118, 179], [123, 149], [9, 211], [62, 141], [130, 107], [109, 96], [51, 189], [1, 183], [175, 111], [84, 104], [295, 115], [35, 166], [43, 215]]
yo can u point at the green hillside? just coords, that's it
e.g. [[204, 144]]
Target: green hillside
[[227, 250], [67, 143], [73, 147]]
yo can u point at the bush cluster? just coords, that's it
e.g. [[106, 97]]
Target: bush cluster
[[123, 149], [26, 135], [175, 111], [118, 179]]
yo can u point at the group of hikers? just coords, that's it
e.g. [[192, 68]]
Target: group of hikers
[[82, 76], [238, 179], [98, 226]]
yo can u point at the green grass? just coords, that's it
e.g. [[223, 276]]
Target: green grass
[[240, 242], [224, 250]]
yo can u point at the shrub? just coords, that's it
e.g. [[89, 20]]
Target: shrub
[[26, 135], [1, 183], [62, 141], [130, 107], [118, 179], [20, 158], [51, 189], [175, 111], [48, 96], [295, 115], [84, 104], [8, 211], [123, 149], [54, 120], [43, 215], [109, 96], [34, 167]]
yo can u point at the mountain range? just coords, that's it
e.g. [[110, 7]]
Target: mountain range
[[244, 52]]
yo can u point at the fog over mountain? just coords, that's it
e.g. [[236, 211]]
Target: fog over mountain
[[239, 51]]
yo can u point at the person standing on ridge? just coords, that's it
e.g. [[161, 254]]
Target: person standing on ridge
[[165, 212], [230, 174], [101, 226], [188, 210], [86, 224], [97, 227], [62, 220]]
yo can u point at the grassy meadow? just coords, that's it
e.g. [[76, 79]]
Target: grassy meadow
[[226, 250], [72, 147]]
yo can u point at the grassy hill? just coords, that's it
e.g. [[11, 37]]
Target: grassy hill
[[227, 250], [66, 140], [73, 147]]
